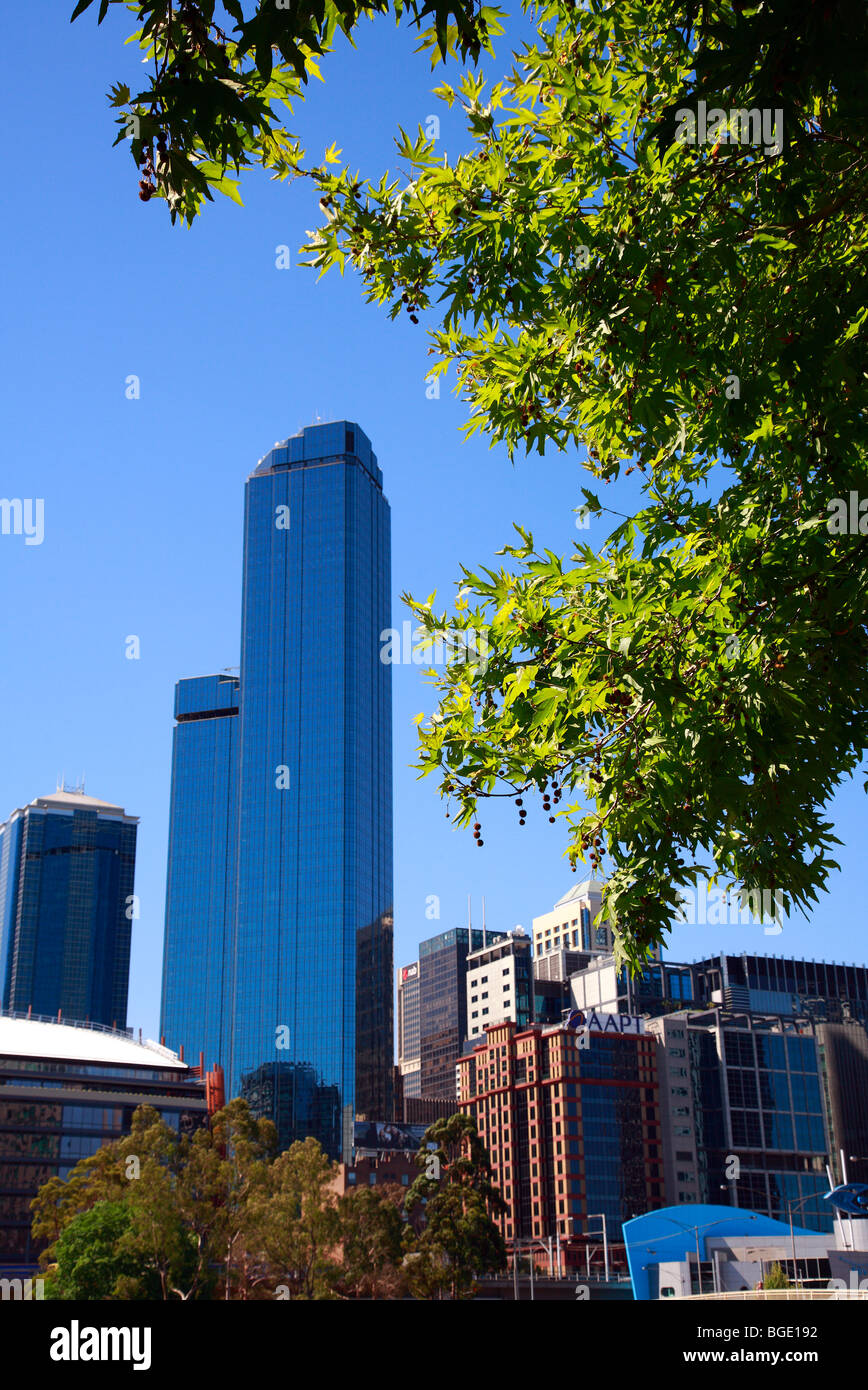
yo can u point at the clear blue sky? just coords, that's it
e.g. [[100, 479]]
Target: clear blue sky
[[143, 499]]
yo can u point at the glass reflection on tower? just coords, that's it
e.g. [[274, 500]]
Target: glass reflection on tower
[[307, 1033], [200, 885]]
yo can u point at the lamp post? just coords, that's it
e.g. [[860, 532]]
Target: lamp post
[[791, 1207], [601, 1216], [530, 1242]]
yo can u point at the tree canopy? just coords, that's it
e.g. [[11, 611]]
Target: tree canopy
[[653, 253], [208, 110], [460, 1200], [219, 1215]]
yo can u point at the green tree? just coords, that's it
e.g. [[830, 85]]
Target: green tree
[[370, 1250], [88, 1255], [208, 109], [97, 1178], [686, 695], [293, 1222], [456, 1188], [776, 1278], [187, 1200]]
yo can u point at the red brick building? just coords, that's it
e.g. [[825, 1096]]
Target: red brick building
[[572, 1125]]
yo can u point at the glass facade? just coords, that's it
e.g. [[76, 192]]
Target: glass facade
[[306, 1030], [443, 1005], [766, 1086], [200, 881], [617, 1114], [67, 869]]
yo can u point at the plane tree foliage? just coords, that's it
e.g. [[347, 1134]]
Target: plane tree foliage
[[222, 77], [691, 689], [684, 695]]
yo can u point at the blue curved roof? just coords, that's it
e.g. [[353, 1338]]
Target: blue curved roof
[[678, 1227]]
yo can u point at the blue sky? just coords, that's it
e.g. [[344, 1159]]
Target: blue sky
[[143, 498]]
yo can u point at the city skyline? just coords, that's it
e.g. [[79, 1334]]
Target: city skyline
[[141, 503]]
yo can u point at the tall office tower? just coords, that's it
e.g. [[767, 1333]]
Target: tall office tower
[[200, 880], [67, 867], [409, 1041], [443, 1005], [306, 1033]]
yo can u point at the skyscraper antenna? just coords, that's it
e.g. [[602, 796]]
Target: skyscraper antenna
[[483, 924]]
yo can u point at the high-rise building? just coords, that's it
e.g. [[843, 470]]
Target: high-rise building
[[305, 1030], [572, 1128], [571, 926], [787, 986], [409, 1038], [67, 870], [658, 988], [499, 980], [443, 1005], [200, 879], [743, 1113]]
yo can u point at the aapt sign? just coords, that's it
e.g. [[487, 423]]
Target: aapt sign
[[591, 1022]]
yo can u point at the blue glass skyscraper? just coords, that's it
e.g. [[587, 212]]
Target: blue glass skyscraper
[[67, 867], [200, 888], [307, 1027]]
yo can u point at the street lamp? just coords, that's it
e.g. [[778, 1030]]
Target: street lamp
[[791, 1207], [601, 1216]]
